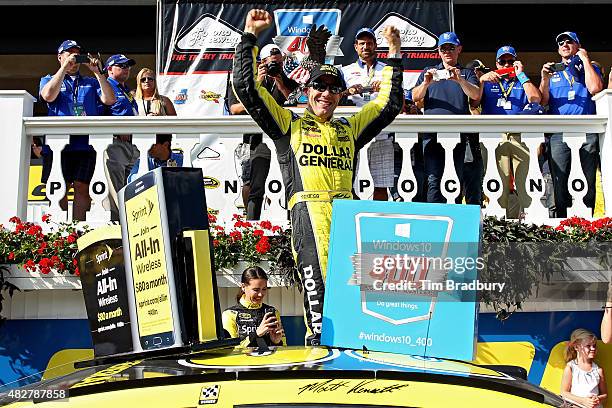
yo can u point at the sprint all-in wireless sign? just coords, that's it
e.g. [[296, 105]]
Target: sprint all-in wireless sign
[[148, 265], [407, 276]]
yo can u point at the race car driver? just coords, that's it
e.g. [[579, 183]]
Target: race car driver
[[315, 151]]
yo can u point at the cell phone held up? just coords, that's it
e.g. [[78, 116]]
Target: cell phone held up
[[506, 72], [81, 59], [441, 74]]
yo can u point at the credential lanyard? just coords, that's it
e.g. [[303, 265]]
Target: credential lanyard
[[506, 92], [570, 79]]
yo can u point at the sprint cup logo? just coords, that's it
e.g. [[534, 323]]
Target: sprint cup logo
[[393, 271], [210, 96], [211, 182]]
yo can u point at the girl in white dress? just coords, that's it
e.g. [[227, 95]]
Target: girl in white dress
[[583, 380]]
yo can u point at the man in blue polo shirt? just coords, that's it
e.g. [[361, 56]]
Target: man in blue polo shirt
[[68, 93], [570, 92], [121, 155], [444, 89], [507, 95]]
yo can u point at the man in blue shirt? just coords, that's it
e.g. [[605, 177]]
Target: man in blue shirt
[[159, 155], [444, 89], [68, 93], [121, 154], [570, 92], [508, 95]]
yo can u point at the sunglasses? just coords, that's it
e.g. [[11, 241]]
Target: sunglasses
[[275, 51], [321, 87], [147, 79], [566, 41], [122, 66], [448, 48], [506, 61]]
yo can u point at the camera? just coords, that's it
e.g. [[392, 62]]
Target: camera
[[441, 74], [557, 67], [274, 68], [81, 59]]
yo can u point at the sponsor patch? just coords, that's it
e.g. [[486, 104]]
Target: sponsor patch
[[211, 182]]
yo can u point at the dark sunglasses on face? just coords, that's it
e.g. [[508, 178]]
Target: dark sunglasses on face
[[122, 66], [275, 51], [147, 79], [321, 87], [505, 61], [566, 41], [448, 48]]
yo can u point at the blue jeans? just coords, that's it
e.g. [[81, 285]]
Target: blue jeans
[[429, 168], [560, 161]]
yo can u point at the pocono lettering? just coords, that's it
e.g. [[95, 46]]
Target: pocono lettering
[[310, 286]]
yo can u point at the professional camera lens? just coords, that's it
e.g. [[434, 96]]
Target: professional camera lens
[[274, 68]]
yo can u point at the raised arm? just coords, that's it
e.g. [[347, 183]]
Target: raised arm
[[271, 118], [379, 113]]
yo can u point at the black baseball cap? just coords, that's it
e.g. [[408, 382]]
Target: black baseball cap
[[330, 70]]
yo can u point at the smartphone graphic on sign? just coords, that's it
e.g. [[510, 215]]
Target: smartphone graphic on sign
[[149, 274], [409, 236]]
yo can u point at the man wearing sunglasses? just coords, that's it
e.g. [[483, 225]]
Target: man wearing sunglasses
[[363, 81], [68, 93], [569, 92], [444, 89], [121, 155], [507, 93], [315, 151]]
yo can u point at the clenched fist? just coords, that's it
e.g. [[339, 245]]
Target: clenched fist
[[257, 20], [392, 36]]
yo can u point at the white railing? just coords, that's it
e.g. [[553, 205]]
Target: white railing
[[222, 135]]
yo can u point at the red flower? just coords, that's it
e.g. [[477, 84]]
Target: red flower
[[212, 219], [55, 260], [59, 243], [238, 224], [45, 263], [266, 225], [30, 265], [74, 262], [263, 246], [258, 233], [236, 235], [45, 270], [34, 230], [11, 256], [42, 247], [236, 217], [215, 243], [70, 239], [15, 220], [77, 272], [275, 228], [46, 218]]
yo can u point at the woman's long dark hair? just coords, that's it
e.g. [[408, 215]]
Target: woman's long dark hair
[[250, 273]]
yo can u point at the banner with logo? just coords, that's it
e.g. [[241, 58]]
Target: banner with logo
[[196, 40], [407, 275]]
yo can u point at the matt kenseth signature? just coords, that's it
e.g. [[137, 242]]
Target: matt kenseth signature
[[363, 387]]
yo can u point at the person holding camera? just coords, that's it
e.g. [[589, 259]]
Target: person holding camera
[[506, 91], [256, 162], [568, 88], [68, 93], [444, 89], [251, 320], [121, 155], [363, 81]]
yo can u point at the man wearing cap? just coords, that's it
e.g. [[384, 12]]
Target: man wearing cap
[[256, 163], [68, 93], [363, 81], [508, 94], [121, 155], [315, 151], [449, 97], [570, 92]]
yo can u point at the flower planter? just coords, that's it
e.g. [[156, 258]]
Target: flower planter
[[25, 280]]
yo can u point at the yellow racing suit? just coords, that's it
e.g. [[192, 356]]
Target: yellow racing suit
[[316, 160]]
